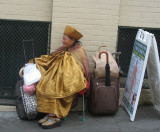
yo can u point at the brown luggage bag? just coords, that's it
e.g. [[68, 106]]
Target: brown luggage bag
[[104, 99]]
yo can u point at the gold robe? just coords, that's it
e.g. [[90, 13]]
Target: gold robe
[[62, 77]]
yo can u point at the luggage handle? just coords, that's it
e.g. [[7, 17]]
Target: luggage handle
[[107, 59], [101, 47], [23, 41], [117, 54]]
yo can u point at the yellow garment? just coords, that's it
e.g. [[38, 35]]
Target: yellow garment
[[62, 77]]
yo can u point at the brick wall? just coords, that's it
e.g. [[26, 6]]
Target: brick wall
[[36, 10], [96, 20], [140, 13]]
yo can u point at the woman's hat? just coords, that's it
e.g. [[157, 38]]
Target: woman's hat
[[72, 32]]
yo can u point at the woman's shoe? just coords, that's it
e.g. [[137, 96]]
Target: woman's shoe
[[51, 123], [43, 120]]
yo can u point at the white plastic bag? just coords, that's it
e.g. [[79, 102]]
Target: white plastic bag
[[31, 74]]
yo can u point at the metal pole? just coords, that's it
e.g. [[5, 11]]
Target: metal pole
[[83, 108]]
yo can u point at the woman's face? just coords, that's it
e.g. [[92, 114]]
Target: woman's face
[[67, 42]]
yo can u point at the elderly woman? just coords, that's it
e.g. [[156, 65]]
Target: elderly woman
[[65, 72]]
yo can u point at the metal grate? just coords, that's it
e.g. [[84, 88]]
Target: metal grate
[[11, 52], [126, 38]]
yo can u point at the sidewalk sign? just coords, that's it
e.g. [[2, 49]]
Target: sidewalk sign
[[144, 54], [153, 71]]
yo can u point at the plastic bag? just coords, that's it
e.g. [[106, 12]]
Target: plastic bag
[[100, 64], [31, 74], [82, 92], [29, 89]]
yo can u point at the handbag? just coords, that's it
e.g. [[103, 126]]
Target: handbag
[[100, 63], [31, 72]]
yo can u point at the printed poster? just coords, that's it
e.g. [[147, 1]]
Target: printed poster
[[136, 73]]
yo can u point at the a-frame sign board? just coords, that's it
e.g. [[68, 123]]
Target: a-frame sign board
[[145, 54]]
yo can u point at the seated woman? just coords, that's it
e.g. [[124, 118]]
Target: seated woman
[[65, 72]]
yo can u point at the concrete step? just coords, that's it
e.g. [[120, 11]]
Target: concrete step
[[145, 99]]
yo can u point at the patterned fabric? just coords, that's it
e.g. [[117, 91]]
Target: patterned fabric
[[30, 104]]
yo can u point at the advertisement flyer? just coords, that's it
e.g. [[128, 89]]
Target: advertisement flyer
[[134, 75], [136, 72]]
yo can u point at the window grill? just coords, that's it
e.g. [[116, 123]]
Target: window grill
[[11, 51], [125, 43]]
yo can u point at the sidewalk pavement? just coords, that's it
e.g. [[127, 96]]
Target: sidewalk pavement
[[147, 120]]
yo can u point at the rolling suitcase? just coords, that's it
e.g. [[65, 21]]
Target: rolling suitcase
[[19, 102], [104, 96], [26, 105]]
